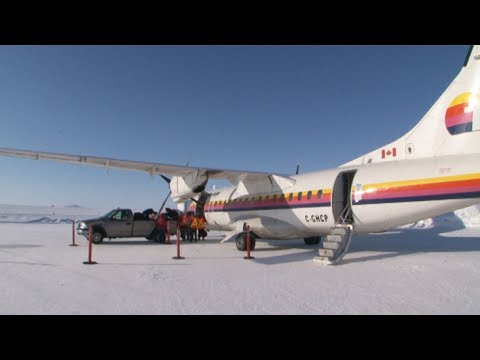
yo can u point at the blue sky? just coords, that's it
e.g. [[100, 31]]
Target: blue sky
[[260, 108]]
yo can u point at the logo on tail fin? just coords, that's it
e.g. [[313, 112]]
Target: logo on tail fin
[[459, 117]]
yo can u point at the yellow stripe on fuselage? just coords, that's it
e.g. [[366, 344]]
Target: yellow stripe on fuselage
[[421, 181], [295, 193]]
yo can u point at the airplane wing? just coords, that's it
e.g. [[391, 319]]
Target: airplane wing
[[234, 176]]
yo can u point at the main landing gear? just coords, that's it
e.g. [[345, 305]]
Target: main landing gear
[[241, 241], [312, 240]]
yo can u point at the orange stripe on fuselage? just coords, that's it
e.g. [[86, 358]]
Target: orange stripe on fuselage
[[431, 186], [418, 182], [239, 202]]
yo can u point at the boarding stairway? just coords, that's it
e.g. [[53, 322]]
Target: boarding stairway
[[336, 243]]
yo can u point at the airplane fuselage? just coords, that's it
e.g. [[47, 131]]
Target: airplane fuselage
[[432, 169], [380, 196]]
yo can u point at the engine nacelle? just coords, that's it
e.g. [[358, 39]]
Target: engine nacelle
[[185, 187]]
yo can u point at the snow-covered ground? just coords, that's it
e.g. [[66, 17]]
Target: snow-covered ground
[[432, 267]]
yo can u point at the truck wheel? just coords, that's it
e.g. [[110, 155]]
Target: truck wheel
[[97, 237], [159, 236], [151, 235]]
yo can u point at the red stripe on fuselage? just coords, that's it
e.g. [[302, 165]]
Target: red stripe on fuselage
[[451, 187]]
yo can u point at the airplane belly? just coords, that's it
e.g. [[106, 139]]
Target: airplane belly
[[378, 217], [276, 224], [317, 220], [219, 221]]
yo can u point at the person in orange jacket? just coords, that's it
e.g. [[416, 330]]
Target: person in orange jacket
[[189, 226], [194, 227], [162, 222], [201, 227], [183, 224]]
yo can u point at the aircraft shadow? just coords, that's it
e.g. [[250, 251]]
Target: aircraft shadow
[[399, 242], [141, 264], [284, 258], [127, 242], [173, 241]]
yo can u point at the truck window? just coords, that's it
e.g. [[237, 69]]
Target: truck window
[[110, 214], [120, 215]]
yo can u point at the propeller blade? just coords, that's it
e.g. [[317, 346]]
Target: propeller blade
[[166, 179], [164, 201]]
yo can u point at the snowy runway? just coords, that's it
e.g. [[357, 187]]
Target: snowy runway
[[406, 271]]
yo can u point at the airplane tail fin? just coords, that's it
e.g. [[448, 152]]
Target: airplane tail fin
[[450, 127]]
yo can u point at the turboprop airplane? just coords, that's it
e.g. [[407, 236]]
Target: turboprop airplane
[[431, 170]]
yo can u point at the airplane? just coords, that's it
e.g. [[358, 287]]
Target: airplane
[[431, 170]]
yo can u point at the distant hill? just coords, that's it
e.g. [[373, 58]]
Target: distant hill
[[74, 206]]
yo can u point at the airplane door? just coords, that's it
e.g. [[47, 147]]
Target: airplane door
[[341, 199]]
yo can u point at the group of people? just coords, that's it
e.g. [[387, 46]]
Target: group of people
[[191, 226]]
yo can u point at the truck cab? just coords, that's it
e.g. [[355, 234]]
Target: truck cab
[[117, 223]]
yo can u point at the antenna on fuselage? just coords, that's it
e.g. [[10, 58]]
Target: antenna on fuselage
[[298, 169]]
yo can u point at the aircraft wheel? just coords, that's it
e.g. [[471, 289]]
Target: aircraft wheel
[[312, 240], [241, 242]]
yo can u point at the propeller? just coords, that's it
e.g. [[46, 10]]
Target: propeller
[[199, 188], [164, 201], [168, 182]]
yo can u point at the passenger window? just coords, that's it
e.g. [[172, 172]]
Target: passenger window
[[319, 194], [274, 198], [299, 197], [282, 198], [309, 195], [290, 197]]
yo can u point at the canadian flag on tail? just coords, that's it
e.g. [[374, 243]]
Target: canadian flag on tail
[[389, 152]]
